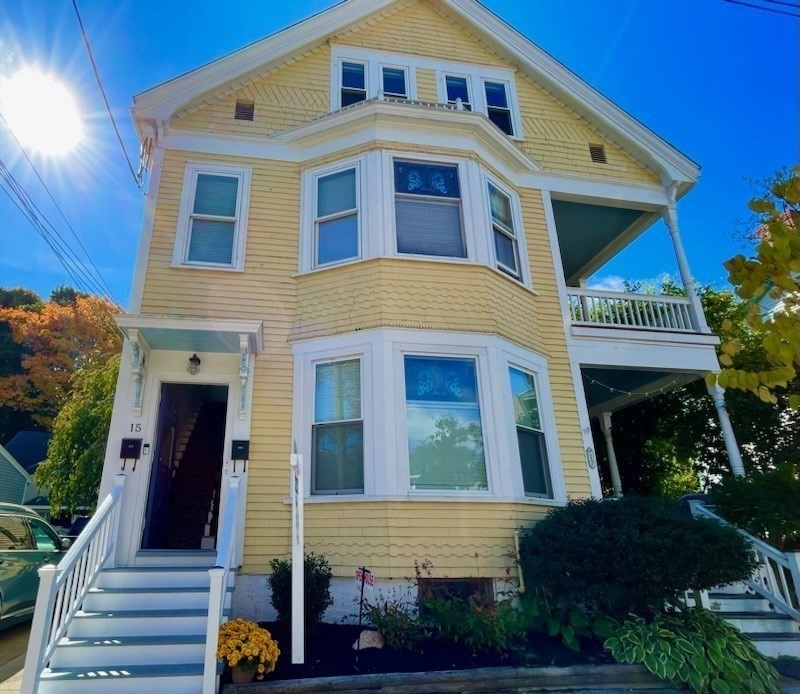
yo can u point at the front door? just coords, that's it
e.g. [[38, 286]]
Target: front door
[[183, 493]]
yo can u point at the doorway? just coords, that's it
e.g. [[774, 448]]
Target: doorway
[[182, 508]]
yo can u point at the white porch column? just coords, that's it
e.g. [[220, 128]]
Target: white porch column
[[734, 456], [605, 425], [671, 220]]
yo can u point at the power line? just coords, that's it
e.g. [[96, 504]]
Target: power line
[[137, 179], [766, 9], [74, 266], [97, 273]]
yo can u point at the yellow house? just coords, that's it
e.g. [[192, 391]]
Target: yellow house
[[360, 326]]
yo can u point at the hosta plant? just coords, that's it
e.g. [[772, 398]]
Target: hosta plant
[[695, 648]]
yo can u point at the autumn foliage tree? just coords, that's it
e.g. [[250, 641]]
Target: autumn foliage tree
[[774, 270], [57, 339]]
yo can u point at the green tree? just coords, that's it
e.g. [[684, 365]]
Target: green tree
[[71, 474], [774, 269]]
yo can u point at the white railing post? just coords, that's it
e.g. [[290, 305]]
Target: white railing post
[[216, 597], [298, 562], [40, 629]]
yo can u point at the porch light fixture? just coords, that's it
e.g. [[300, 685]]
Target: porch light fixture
[[194, 365]]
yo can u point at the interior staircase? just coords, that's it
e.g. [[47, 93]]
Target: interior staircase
[[140, 629]]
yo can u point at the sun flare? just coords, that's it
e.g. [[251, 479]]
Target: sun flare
[[40, 111]]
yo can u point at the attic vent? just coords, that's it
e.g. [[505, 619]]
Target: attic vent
[[245, 110], [598, 154]]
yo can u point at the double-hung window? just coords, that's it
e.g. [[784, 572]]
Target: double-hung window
[[530, 435], [445, 435], [497, 106], [428, 209], [212, 219], [394, 82], [354, 83], [336, 217], [457, 88], [337, 434], [506, 248]]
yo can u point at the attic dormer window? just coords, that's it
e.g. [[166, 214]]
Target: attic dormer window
[[598, 154], [394, 82], [497, 106], [245, 110], [354, 83]]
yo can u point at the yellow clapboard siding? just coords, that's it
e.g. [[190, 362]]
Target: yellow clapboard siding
[[388, 536], [297, 93]]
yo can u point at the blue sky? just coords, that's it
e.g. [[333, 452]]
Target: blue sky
[[717, 80]]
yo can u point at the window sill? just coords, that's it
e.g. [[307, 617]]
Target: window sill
[[439, 498], [213, 268]]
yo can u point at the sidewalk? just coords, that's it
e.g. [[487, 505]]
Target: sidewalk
[[13, 644]]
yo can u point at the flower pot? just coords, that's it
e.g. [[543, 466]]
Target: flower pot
[[242, 675]]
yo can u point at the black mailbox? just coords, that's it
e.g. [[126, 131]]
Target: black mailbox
[[240, 450], [131, 449]]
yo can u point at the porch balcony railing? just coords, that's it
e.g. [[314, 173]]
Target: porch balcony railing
[[227, 539], [592, 307], [63, 588], [777, 576]]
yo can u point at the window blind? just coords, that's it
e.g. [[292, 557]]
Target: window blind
[[216, 195], [429, 227], [336, 192], [211, 242]]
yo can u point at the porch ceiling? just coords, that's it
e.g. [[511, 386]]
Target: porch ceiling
[[608, 390], [589, 235], [193, 334]]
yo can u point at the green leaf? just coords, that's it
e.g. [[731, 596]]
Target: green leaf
[[720, 687]]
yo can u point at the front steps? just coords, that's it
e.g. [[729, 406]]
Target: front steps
[[140, 629], [773, 633]]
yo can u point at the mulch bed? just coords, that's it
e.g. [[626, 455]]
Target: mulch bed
[[329, 653]]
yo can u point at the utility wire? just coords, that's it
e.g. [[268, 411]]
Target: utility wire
[[136, 178], [74, 266], [96, 273], [766, 9]]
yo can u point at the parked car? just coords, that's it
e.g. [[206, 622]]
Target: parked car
[[26, 543]]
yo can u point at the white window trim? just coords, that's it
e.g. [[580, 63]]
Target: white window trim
[[386, 468], [316, 221], [183, 234], [519, 229], [308, 215], [373, 63]]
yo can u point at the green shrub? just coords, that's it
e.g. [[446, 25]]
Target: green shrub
[[569, 622], [317, 588], [397, 619], [632, 555], [763, 503], [477, 623], [695, 648]]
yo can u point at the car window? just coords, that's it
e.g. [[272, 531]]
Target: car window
[[14, 534], [45, 541]]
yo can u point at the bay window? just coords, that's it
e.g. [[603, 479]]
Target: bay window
[[506, 248], [428, 209], [337, 433], [530, 435], [445, 436]]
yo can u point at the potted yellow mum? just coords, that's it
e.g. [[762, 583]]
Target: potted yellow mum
[[249, 649]]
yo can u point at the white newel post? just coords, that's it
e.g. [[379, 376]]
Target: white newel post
[[40, 631], [696, 308], [734, 456], [298, 562], [605, 425]]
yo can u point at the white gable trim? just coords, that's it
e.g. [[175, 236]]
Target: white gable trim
[[161, 102]]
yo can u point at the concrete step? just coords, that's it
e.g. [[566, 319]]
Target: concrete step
[[738, 602], [173, 678], [104, 599], [129, 650], [156, 577], [138, 622], [761, 622], [776, 645]]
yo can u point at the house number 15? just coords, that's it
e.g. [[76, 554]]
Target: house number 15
[[136, 428]]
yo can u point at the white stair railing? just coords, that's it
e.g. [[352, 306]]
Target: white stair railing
[[777, 577], [592, 307], [227, 537], [62, 588]]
